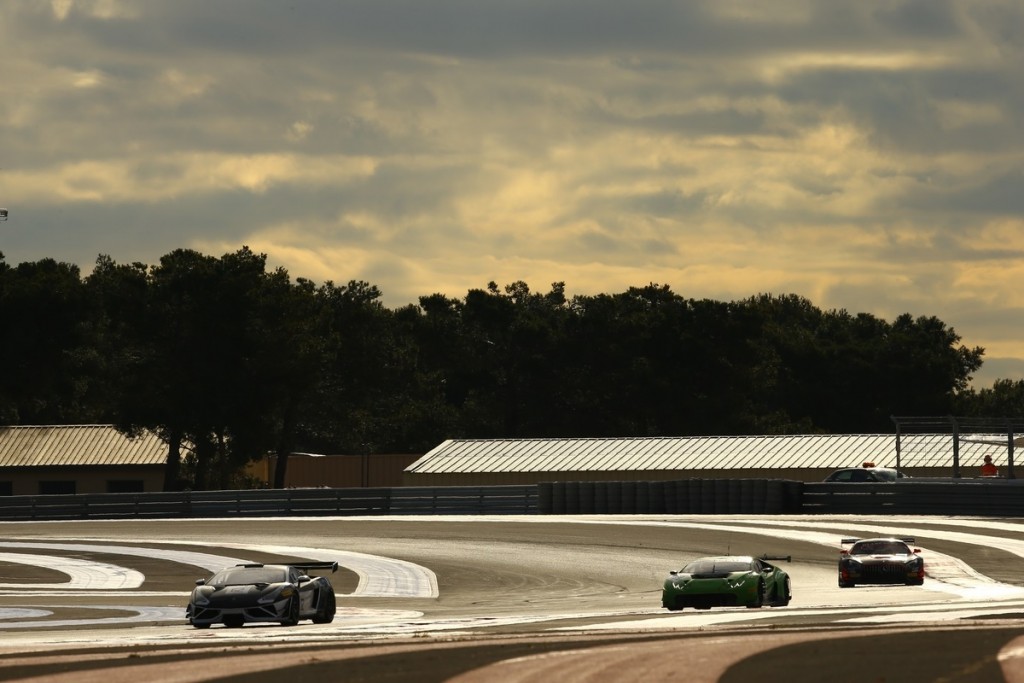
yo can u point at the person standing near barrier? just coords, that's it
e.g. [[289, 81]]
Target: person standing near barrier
[[988, 469]]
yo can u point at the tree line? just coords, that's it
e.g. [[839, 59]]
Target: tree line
[[228, 361]]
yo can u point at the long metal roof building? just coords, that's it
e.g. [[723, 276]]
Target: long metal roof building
[[77, 446], [807, 457]]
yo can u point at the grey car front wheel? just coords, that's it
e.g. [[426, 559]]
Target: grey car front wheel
[[293, 612]]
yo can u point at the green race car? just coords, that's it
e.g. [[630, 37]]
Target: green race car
[[728, 581]]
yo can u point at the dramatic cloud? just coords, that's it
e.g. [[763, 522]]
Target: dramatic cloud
[[868, 156]]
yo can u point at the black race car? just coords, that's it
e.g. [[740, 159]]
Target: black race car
[[283, 593], [880, 560]]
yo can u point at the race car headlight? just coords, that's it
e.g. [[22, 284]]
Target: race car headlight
[[201, 596], [276, 595], [677, 581]]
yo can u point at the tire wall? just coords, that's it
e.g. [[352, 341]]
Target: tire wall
[[679, 497]]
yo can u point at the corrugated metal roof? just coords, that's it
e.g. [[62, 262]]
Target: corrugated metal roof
[[77, 445], [808, 451]]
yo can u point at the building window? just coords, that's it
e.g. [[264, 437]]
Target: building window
[[6, 488], [51, 488], [125, 486]]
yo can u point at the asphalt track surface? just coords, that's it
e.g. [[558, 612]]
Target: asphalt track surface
[[533, 598]]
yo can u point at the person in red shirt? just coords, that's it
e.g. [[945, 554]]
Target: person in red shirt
[[988, 469]]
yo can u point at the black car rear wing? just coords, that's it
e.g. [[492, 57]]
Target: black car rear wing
[[905, 539], [306, 566]]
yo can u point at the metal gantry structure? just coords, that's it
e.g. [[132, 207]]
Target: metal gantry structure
[[998, 431]]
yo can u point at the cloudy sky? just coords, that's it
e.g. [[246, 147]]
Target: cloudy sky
[[866, 155]]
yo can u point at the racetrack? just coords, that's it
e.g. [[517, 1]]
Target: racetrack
[[507, 598]]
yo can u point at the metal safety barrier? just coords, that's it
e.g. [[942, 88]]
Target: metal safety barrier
[[448, 500], [978, 497]]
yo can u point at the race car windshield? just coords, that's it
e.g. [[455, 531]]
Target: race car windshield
[[880, 548], [716, 567], [248, 575]]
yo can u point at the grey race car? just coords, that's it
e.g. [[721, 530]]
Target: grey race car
[[282, 593]]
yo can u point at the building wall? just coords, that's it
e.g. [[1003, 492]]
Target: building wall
[[33, 481], [338, 471]]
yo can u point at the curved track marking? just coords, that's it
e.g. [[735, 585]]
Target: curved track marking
[[378, 576], [207, 561], [82, 574], [22, 613], [138, 614], [955, 575], [946, 573]]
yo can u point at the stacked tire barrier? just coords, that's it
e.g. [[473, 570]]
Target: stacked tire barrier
[[683, 496]]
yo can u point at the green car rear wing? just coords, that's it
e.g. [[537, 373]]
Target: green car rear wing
[[776, 558]]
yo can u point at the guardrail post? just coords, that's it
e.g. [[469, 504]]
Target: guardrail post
[[899, 465], [1009, 454], [956, 447]]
